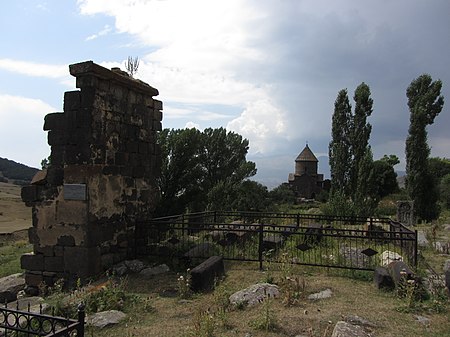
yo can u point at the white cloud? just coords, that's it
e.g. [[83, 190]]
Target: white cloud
[[200, 46], [22, 121], [34, 69], [106, 29], [192, 125]]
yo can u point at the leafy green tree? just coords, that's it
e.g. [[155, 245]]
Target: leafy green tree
[[425, 102], [198, 165], [439, 167], [384, 177], [181, 169], [282, 194]]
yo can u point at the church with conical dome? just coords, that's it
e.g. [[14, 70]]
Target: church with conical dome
[[306, 182]]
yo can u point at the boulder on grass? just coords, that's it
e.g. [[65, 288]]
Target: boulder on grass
[[10, 286], [105, 318], [254, 294], [382, 279], [344, 329]]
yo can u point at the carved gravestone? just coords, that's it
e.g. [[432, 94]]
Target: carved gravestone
[[405, 212], [101, 180]]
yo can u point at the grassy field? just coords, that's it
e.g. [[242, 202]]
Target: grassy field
[[14, 215], [153, 314]]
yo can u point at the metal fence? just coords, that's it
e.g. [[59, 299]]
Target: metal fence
[[316, 240], [15, 322]]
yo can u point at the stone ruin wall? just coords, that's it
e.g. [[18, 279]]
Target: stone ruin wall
[[101, 178]]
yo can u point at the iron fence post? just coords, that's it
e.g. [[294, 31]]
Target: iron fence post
[[260, 245], [415, 248], [81, 317]]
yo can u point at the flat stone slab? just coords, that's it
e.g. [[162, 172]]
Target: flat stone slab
[[344, 329], [157, 270], [421, 239], [10, 286], [254, 294], [327, 293], [105, 318]]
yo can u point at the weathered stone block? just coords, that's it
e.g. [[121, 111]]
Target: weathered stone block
[[157, 105], [82, 262], [53, 264], [71, 212], [54, 121], [29, 193], [32, 261], [66, 240], [33, 278], [382, 279], [400, 270], [204, 276], [56, 137], [72, 100]]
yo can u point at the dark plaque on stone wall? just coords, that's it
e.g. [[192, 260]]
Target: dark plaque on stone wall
[[75, 192]]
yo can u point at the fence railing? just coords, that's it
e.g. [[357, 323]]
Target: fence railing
[[15, 322], [316, 240]]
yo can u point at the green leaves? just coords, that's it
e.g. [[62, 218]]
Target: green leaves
[[425, 103], [197, 164]]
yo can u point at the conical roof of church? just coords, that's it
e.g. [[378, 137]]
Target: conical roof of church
[[306, 155]]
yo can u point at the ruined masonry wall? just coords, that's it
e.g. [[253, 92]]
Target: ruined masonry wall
[[101, 179]]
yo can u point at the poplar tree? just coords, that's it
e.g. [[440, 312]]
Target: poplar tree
[[350, 155], [339, 147], [425, 102], [361, 171]]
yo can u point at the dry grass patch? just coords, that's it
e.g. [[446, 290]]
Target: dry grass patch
[[199, 316]]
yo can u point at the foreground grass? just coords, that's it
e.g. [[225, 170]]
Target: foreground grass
[[10, 252], [171, 316]]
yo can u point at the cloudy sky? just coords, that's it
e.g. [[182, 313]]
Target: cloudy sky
[[269, 70]]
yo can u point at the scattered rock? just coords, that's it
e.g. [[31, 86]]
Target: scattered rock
[[254, 294], [421, 239], [344, 329], [157, 270], [382, 279], [442, 247], [105, 318], [128, 267], [356, 320], [10, 286], [35, 303], [447, 274], [387, 257], [422, 319], [399, 271], [134, 266], [204, 249], [447, 227], [321, 295]]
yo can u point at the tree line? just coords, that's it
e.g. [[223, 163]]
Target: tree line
[[355, 176]]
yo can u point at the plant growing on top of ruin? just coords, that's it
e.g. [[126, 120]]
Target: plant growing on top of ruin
[[132, 65]]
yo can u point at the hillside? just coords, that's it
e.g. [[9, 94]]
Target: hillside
[[14, 215], [15, 173]]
